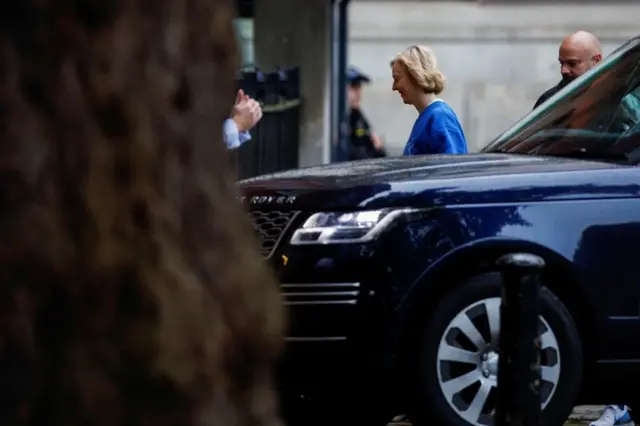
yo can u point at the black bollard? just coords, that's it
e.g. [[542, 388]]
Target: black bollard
[[519, 401]]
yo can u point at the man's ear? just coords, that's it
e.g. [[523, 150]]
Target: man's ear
[[597, 58]]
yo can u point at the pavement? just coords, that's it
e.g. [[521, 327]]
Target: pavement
[[586, 413], [582, 414]]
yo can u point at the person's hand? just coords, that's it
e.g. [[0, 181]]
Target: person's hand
[[246, 112], [240, 96]]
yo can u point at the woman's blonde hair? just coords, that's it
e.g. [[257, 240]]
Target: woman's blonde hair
[[422, 65]]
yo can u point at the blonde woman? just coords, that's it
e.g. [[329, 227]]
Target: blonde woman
[[417, 79]]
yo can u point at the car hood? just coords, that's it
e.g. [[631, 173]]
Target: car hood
[[437, 180]]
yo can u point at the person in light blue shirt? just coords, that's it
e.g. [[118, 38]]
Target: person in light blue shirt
[[246, 113], [233, 137], [417, 79]]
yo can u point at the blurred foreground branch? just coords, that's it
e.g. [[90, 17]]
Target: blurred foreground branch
[[130, 293]]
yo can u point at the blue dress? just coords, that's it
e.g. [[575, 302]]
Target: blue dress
[[436, 131]]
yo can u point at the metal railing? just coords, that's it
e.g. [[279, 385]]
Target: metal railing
[[276, 139]]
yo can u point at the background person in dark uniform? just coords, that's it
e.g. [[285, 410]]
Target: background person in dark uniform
[[363, 143]]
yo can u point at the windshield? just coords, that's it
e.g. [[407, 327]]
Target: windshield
[[596, 117]]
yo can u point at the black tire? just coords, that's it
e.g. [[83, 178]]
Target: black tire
[[429, 405]]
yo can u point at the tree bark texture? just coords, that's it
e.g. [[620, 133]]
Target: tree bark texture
[[130, 290]]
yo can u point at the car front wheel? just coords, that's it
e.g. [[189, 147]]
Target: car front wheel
[[456, 358]]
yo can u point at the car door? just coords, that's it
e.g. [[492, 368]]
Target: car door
[[597, 118]]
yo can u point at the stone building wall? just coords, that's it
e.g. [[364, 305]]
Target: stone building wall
[[497, 58]]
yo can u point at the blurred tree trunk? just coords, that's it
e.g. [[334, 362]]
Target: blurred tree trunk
[[130, 291]]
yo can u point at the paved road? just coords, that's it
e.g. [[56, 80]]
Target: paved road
[[587, 412], [581, 414]]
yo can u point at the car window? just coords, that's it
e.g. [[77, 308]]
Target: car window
[[627, 117], [598, 115]]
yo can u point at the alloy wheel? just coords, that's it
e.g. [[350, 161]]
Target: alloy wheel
[[467, 361]]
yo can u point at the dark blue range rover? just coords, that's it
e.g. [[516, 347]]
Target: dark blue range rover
[[387, 267]]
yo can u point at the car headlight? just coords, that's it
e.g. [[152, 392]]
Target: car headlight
[[345, 227]]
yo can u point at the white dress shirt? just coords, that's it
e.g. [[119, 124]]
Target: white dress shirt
[[232, 137]]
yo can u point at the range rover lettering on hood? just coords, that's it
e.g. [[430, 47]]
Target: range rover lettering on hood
[[268, 199]]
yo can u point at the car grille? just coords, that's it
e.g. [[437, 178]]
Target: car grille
[[321, 293], [270, 227]]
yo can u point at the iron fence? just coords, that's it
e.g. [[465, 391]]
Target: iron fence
[[275, 140]]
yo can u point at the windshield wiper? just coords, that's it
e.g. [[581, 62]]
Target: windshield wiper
[[583, 154]]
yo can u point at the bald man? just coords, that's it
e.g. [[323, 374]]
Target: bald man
[[578, 53]]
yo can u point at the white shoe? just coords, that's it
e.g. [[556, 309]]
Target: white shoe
[[613, 415]]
